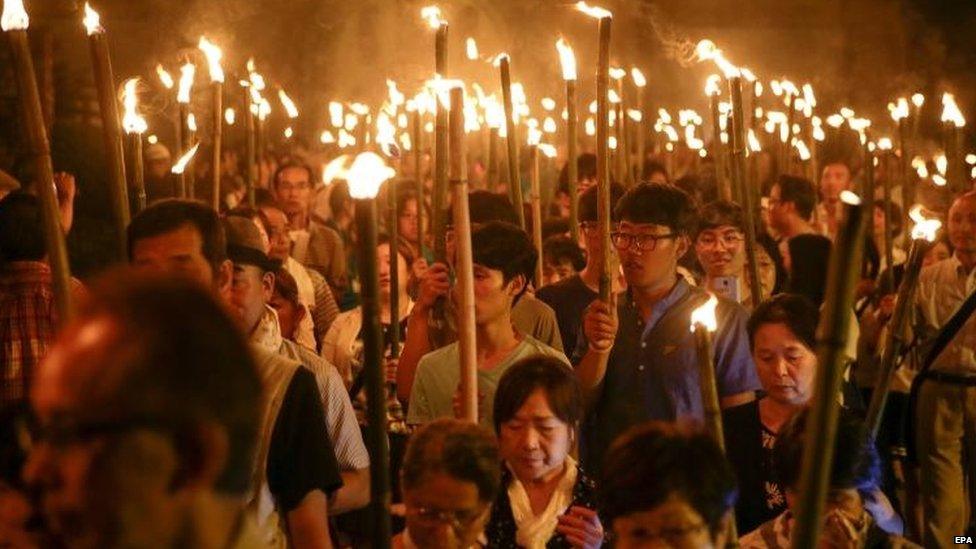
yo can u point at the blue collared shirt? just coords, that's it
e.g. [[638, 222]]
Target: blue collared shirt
[[652, 371]]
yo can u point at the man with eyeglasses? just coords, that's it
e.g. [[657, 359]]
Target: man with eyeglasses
[[721, 252], [636, 359], [570, 297], [313, 243]]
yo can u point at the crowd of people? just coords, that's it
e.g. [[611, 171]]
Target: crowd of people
[[211, 392]]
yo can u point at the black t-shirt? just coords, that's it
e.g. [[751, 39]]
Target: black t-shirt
[[568, 298], [300, 457]]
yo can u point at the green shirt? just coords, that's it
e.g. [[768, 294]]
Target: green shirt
[[438, 376]]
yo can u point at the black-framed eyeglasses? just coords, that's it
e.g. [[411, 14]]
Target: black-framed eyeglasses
[[456, 519], [728, 239], [640, 242]]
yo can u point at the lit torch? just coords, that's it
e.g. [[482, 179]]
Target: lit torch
[[367, 173], [432, 15], [923, 234], [514, 177], [602, 143], [567, 60], [14, 23], [134, 125], [111, 123], [183, 95], [952, 124], [213, 55]]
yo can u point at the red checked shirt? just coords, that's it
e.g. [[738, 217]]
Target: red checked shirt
[[28, 318]]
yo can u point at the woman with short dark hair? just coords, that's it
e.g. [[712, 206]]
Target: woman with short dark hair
[[666, 485], [449, 479], [546, 501]]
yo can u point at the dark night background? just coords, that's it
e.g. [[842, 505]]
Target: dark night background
[[858, 53]]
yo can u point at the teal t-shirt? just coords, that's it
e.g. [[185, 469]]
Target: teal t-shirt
[[438, 375]]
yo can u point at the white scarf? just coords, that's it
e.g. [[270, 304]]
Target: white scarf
[[534, 531], [267, 334]]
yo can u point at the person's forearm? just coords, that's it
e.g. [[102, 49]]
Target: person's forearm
[[308, 524], [415, 347], [590, 371], [354, 493]]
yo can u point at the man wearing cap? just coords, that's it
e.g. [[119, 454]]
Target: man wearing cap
[[295, 468], [251, 290]]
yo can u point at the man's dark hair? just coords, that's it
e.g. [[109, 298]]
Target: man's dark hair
[[504, 247], [21, 228], [171, 214], [800, 192], [290, 163], [405, 194], [541, 372], [486, 206], [465, 451], [588, 203], [719, 213], [653, 462], [856, 462], [184, 362], [893, 212], [663, 205], [339, 196], [554, 226], [585, 169], [794, 311], [561, 248], [652, 167]]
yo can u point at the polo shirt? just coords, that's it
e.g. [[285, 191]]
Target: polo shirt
[[652, 371]]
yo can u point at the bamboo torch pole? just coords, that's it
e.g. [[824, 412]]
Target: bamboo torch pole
[[714, 96], [567, 60], [251, 168], [640, 126], [536, 201], [923, 234], [833, 333], [14, 23], [464, 264], [214, 54], [739, 144], [703, 325], [603, 145], [187, 74], [111, 124], [134, 126], [365, 176], [440, 151], [514, 176]]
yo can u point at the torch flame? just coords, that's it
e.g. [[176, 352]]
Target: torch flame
[[549, 125], [749, 76], [187, 73], [386, 135], [164, 77], [885, 144], [942, 163], [939, 180], [638, 77], [850, 198], [132, 122], [567, 59], [635, 115], [335, 113], [925, 228], [918, 100], [180, 165], [471, 48], [808, 96], [534, 136], [590, 126], [899, 110], [548, 150], [327, 138], [712, 85], [706, 50], [548, 103], [336, 169], [754, 144], [617, 73], [288, 104], [213, 54], [802, 150], [432, 14], [92, 21], [705, 315], [921, 167], [593, 11], [367, 173], [14, 16], [230, 116], [951, 112]]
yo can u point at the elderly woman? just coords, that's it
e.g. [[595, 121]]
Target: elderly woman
[[449, 479], [546, 501]]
